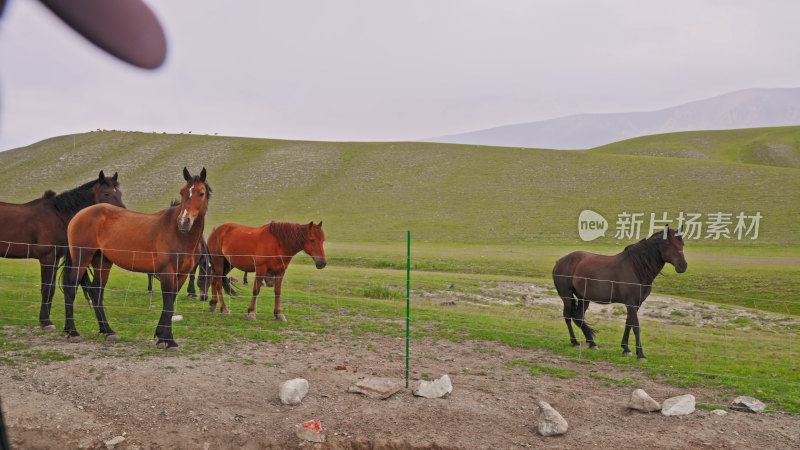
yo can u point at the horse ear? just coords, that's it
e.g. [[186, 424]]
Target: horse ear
[[114, 177], [186, 175], [311, 225], [203, 174], [320, 224], [101, 177]]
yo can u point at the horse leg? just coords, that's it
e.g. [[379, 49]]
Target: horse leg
[[150, 283], [73, 273], [244, 279], [580, 320], [633, 322], [190, 289], [218, 273], [170, 284], [277, 311], [47, 264], [566, 294], [626, 351], [203, 281], [102, 269], [251, 310]]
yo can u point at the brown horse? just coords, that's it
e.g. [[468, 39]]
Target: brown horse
[[265, 250], [167, 243], [38, 229], [627, 278]]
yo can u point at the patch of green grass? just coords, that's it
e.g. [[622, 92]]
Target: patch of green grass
[[537, 369], [382, 292]]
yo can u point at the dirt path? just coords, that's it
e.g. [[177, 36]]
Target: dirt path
[[227, 398]]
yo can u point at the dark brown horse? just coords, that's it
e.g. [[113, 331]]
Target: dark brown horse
[[167, 243], [38, 229], [265, 250], [627, 278]]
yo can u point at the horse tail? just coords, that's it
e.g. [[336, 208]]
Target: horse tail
[[65, 265], [226, 282]]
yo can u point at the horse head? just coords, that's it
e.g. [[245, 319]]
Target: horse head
[[313, 245], [672, 251], [106, 190], [194, 200]]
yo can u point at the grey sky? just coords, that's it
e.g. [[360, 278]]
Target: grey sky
[[388, 70]]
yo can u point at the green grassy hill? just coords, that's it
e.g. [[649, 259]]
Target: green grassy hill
[[778, 146], [368, 192]]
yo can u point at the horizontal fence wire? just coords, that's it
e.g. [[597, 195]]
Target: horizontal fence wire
[[296, 294]]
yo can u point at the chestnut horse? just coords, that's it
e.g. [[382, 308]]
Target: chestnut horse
[[627, 278], [167, 243], [265, 250], [38, 229]]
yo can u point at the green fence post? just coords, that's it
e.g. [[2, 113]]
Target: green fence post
[[408, 303]]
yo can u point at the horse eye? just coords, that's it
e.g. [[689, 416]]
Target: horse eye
[[202, 194]]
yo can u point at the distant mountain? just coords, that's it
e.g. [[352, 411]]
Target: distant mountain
[[749, 108]]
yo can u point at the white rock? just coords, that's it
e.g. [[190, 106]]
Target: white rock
[[748, 404], [292, 392], [111, 443], [550, 422], [433, 389], [641, 401], [678, 406], [719, 412]]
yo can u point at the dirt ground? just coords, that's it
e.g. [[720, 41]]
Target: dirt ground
[[227, 398]]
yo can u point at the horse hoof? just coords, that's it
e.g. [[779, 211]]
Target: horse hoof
[[74, 339], [192, 296], [161, 344], [627, 353], [641, 359], [50, 327], [251, 318], [225, 312], [150, 292], [173, 349], [576, 345], [281, 318], [594, 347], [112, 337]]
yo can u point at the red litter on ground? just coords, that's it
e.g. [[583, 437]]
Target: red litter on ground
[[310, 431]]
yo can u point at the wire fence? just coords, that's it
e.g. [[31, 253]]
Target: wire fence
[[457, 302]]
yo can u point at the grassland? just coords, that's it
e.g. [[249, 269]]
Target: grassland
[[778, 146], [476, 214]]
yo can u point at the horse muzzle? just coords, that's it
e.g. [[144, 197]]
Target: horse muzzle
[[185, 224], [320, 263], [680, 268]]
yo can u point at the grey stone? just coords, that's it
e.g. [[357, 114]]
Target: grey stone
[[377, 387], [719, 412], [433, 389], [550, 422], [748, 404], [111, 443], [641, 401], [678, 406], [292, 392]]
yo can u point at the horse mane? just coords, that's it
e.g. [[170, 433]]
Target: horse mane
[[292, 236], [73, 200], [645, 256], [48, 194]]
